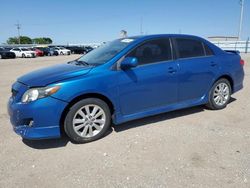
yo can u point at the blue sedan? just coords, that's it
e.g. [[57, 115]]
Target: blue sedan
[[123, 80]]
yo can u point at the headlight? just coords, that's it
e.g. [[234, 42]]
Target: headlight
[[38, 93]]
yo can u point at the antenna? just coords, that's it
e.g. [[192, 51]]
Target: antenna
[[18, 26], [241, 18]]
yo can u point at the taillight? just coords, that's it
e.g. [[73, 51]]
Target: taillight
[[242, 62]]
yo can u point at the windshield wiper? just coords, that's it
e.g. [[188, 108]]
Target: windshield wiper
[[82, 62], [77, 62]]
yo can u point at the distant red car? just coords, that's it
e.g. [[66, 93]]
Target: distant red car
[[37, 52]]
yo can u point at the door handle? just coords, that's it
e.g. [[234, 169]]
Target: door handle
[[213, 64], [172, 70]]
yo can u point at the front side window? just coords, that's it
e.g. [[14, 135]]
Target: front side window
[[187, 48], [152, 51]]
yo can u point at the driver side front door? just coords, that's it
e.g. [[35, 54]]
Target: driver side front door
[[153, 83]]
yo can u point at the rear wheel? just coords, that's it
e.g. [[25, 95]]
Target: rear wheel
[[219, 94], [87, 120], [23, 55]]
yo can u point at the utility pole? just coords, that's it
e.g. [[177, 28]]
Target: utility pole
[[241, 18], [141, 22], [18, 26]]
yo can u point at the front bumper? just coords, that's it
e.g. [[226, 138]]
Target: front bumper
[[36, 120], [30, 55]]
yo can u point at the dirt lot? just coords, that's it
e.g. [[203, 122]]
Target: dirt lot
[[188, 148]]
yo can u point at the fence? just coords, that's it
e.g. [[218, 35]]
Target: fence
[[242, 46]]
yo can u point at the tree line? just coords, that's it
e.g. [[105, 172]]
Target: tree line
[[28, 40]]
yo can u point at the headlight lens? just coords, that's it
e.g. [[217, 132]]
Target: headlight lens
[[38, 93]]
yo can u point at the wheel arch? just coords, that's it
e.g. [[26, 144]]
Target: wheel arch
[[81, 97], [229, 78]]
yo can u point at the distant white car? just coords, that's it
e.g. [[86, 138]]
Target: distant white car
[[62, 51], [23, 52]]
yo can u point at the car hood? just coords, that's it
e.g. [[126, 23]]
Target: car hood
[[29, 52], [5, 51], [43, 77]]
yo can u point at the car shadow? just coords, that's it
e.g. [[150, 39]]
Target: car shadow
[[162, 117], [47, 143], [158, 118], [63, 141]]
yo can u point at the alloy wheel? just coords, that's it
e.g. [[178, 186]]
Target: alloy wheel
[[89, 121], [221, 94]]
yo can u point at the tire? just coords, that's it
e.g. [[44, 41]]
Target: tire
[[23, 55], [61, 53], [219, 97], [78, 123]]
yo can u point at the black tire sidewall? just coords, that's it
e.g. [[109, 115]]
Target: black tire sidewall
[[68, 126], [212, 104]]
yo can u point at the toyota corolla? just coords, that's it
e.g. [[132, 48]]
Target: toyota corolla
[[123, 80]]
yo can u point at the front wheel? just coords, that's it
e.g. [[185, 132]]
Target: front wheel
[[23, 55], [87, 120], [219, 95]]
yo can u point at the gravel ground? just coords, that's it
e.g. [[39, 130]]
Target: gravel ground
[[193, 147]]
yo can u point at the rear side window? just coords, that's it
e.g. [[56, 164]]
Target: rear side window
[[152, 51], [208, 50], [189, 48]]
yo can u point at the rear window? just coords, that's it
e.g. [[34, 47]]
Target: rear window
[[189, 48]]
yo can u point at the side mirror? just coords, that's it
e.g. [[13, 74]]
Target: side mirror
[[129, 62]]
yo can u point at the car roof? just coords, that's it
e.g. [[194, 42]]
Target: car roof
[[162, 35]]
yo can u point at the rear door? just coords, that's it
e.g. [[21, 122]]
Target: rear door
[[153, 83], [198, 67]]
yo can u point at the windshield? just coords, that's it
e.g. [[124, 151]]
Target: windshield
[[105, 52]]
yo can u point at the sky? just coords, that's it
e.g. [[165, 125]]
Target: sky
[[87, 21]]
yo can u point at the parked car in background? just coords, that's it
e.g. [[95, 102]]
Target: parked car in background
[[77, 49], [23, 52], [37, 51], [88, 49], [49, 51], [62, 50], [153, 74], [6, 54]]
